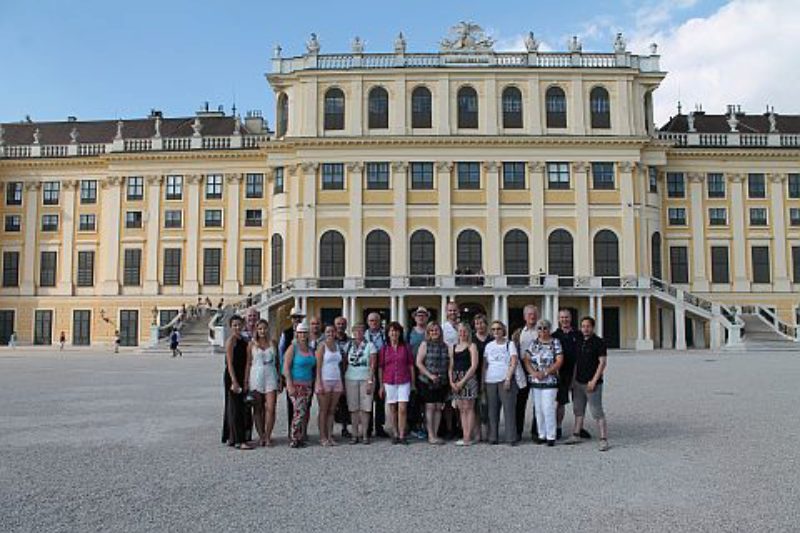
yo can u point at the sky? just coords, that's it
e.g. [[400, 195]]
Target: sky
[[108, 59]]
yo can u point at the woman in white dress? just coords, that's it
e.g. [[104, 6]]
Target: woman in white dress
[[263, 379]]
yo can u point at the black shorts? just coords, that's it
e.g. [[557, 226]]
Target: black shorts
[[428, 394], [564, 385]]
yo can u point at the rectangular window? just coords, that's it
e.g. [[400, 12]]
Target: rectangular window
[[50, 192], [14, 193], [214, 187], [796, 264], [212, 259], [13, 223], [47, 269], [558, 175], [677, 216], [174, 187], [603, 176], [469, 175], [332, 176], [132, 267], [85, 269], [135, 190], [717, 216], [49, 222], [794, 216], [760, 263], [652, 176], [87, 222], [679, 264], [10, 269], [378, 176], [133, 219], [252, 266], [173, 218], [88, 191], [43, 327], [254, 186], [719, 265], [676, 185], [81, 327], [128, 327], [172, 266], [422, 176], [716, 184], [252, 218], [277, 187], [514, 175], [794, 186], [758, 216], [756, 186], [213, 218]]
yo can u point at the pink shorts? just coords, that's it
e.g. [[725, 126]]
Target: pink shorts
[[332, 386]]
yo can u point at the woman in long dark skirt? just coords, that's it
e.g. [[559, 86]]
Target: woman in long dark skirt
[[236, 380]]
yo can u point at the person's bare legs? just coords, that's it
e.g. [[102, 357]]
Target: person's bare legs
[[393, 418], [431, 422], [258, 416], [269, 421], [334, 401], [467, 417], [322, 418], [559, 415], [402, 409]]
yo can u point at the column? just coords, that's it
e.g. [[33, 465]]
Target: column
[[393, 309], [346, 309], [489, 117], [191, 284], [580, 177], [232, 217], [680, 324], [297, 303], [355, 182], [401, 310], [444, 245], [494, 238], [304, 305], [504, 309], [779, 266], [496, 307], [592, 312], [309, 221], [628, 241], [537, 249], [699, 333], [353, 311], [639, 319], [293, 240], [739, 243], [647, 326], [441, 121], [150, 285], [28, 266], [400, 240], [554, 314], [110, 220], [443, 309], [575, 110], [697, 221], [599, 317], [67, 236]]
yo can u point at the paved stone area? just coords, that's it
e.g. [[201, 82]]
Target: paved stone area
[[97, 442]]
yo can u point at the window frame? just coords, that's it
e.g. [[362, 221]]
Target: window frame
[[214, 186], [419, 171], [512, 108], [253, 222], [515, 183], [756, 186], [132, 221], [134, 188], [600, 108], [51, 193], [558, 169], [278, 183], [556, 107], [14, 193], [47, 222], [11, 268], [11, 228], [332, 176], [254, 185], [88, 192], [720, 271], [378, 108], [672, 216], [760, 262], [128, 269], [48, 273], [210, 220], [377, 174], [212, 267], [334, 108], [794, 217], [683, 264], [252, 274], [604, 183], [467, 108], [85, 271], [172, 272], [793, 185], [757, 222], [714, 192], [421, 108], [467, 181], [83, 222], [169, 221], [676, 188], [716, 221], [174, 187]]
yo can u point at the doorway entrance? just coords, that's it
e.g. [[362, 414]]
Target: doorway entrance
[[611, 326]]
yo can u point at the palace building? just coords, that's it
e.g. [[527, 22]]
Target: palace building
[[394, 180]]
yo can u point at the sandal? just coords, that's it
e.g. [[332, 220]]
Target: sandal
[[355, 440], [366, 440], [604, 445]]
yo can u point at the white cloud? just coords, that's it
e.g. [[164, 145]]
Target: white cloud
[[744, 53]]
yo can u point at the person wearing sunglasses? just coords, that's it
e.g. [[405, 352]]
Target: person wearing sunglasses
[[499, 363], [523, 338], [542, 360], [432, 362]]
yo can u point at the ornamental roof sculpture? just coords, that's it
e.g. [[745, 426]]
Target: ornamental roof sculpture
[[467, 37]]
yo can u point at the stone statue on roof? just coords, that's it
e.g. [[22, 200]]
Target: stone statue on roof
[[118, 136], [400, 44], [313, 44], [197, 127], [467, 37], [73, 135], [574, 45], [36, 136], [358, 45], [619, 44], [773, 123], [531, 44]]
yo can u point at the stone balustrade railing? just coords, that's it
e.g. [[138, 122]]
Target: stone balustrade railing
[[732, 139]]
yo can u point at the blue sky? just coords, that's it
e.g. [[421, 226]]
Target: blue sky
[[106, 59]]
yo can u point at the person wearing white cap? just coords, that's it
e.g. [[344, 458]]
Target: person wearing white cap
[[298, 368]]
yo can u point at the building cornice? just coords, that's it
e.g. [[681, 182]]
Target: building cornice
[[727, 153]]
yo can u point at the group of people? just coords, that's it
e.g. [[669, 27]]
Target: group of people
[[431, 380]]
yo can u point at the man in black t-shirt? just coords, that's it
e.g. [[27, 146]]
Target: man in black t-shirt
[[569, 338], [342, 413], [588, 385]]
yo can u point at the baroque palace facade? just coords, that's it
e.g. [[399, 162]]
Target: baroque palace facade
[[394, 180]]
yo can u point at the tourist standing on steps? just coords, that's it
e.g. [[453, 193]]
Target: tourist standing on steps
[[523, 338], [236, 382], [396, 369], [287, 337], [416, 408], [463, 365], [500, 362], [299, 364], [264, 383], [434, 386], [174, 342], [481, 338], [342, 413], [542, 360], [588, 385], [569, 337], [328, 384], [377, 337], [359, 380]]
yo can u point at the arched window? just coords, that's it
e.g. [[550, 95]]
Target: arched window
[[422, 259], [377, 255], [334, 109], [276, 256], [556, 107], [560, 257], [469, 255], [421, 108], [606, 257], [512, 108], [655, 255], [331, 260], [515, 257], [283, 114], [378, 107], [467, 108], [600, 108]]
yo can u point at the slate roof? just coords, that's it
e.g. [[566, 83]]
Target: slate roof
[[705, 123]]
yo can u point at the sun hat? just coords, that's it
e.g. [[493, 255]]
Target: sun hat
[[302, 327], [421, 310]]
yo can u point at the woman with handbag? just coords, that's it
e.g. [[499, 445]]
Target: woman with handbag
[[264, 383], [359, 380], [432, 363], [499, 365]]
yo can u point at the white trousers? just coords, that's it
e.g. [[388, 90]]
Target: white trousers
[[544, 402]]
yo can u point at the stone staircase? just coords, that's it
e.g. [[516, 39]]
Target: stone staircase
[[760, 336], [194, 339]]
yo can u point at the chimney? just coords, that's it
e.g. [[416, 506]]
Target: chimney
[[254, 122]]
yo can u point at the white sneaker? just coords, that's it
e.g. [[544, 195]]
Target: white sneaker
[[460, 442]]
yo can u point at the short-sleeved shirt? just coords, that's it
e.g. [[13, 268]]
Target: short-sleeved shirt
[[481, 346], [542, 356], [590, 351], [414, 339], [570, 340], [358, 361], [498, 359], [395, 364], [377, 338], [449, 333]]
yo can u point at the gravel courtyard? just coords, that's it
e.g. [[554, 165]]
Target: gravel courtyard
[[98, 442]]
